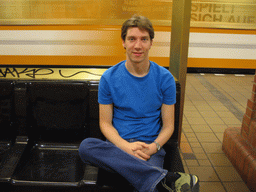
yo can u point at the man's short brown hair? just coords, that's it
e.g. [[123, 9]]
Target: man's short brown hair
[[143, 23]]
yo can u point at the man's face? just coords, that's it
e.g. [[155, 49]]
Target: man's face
[[137, 44]]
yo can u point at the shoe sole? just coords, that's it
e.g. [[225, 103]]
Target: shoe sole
[[195, 188]]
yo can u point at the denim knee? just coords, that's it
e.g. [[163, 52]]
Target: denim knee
[[85, 148]]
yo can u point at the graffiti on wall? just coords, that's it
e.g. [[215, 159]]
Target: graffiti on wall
[[50, 73]]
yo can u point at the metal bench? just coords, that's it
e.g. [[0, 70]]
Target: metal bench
[[42, 125]]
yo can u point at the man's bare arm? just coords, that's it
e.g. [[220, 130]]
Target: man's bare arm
[[168, 124], [166, 131]]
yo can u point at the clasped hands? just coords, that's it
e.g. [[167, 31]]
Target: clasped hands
[[141, 150]]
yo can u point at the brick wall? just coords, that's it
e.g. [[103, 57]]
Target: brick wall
[[249, 121]]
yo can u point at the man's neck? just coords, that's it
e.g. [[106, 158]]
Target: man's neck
[[138, 69]]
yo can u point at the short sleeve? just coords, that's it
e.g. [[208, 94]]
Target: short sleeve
[[169, 89], [104, 94]]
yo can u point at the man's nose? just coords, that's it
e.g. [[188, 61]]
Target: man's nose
[[138, 44]]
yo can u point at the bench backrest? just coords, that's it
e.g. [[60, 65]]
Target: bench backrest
[[6, 109], [59, 110], [44, 109]]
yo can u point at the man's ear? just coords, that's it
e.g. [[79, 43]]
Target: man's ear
[[123, 42], [151, 43]]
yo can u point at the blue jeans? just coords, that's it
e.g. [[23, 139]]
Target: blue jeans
[[143, 175]]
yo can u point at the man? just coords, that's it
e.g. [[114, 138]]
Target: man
[[136, 102]]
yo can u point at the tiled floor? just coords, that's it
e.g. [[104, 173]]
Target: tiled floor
[[212, 104]]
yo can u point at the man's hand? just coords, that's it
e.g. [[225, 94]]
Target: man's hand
[[137, 149], [150, 150], [140, 149]]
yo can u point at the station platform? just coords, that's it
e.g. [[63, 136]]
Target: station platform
[[213, 103]]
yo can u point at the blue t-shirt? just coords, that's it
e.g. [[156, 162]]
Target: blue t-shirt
[[137, 101]]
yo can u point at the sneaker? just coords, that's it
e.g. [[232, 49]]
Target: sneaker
[[186, 183]]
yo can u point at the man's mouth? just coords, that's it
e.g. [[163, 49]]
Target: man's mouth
[[137, 53]]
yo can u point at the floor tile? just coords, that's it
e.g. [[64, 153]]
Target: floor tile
[[200, 103], [188, 102], [186, 128], [201, 128], [218, 128], [201, 156], [192, 114], [192, 163], [214, 102], [220, 136], [204, 162], [198, 150], [195, 144], [183, 138], [190, 135], [234, 125], [210, 113], [211, 187], [228, 174], [207, 137], [204, 173], [204, 107], [189, 156], [225, 114], [196, 121], [230, 120], [212, 147], [209, 97], [192, 140], [214, 121], [189, 108], [184, 121], [185, 148], [219, 108], [236, 186], [219, 159], [186, 169]]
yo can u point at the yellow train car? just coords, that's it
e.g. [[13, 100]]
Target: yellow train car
[[87, 32], [222, 48]]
